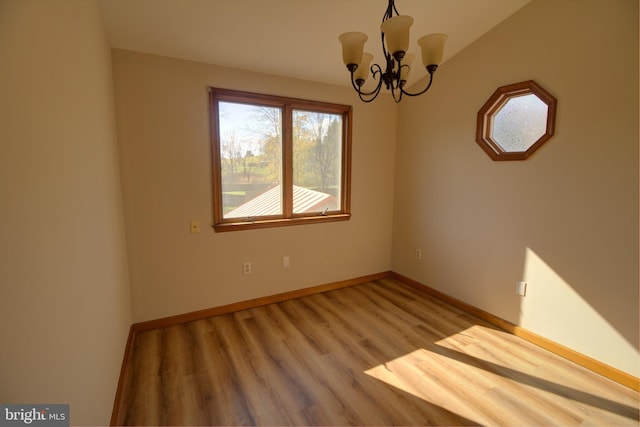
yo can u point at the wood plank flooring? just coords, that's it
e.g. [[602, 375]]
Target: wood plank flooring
[[379, 353]]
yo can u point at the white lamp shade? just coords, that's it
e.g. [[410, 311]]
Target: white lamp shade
[[396, 33], [407, 61], [432, 47], [352, 47], [363, 69]]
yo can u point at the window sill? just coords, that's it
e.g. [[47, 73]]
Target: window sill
[[282, 222]]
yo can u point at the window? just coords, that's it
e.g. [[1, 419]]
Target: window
[[515, 121], [278, 161]]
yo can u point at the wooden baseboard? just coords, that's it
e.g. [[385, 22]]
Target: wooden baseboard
[[257, 302], [572, 355], [229, 308], [582, 360]]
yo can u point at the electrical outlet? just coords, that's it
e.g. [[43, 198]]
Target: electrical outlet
[[246, 267], [195, 226], [285, 261], [418, 253]]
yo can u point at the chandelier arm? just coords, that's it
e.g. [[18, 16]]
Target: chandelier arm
[[375, 69], [394, 83], [396, 93], [422, 91], [384, 47], [392, 5], [363, 99], [389, 12], [353, 83], [374, 93], [389, 75]]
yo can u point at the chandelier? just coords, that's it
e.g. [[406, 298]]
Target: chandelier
[[395, 43]]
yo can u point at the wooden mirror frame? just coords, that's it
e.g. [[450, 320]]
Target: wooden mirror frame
[[500, 97]]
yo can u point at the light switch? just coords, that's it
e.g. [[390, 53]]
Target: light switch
[[195, 226]]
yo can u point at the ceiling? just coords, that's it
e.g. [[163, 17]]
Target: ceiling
[[292, 38]]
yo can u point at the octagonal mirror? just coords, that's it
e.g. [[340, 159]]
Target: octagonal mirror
[[515, 121]]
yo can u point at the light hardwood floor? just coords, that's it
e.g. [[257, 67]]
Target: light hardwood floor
[[379, 353]]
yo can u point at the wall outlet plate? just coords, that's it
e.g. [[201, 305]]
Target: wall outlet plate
[[521, 288]]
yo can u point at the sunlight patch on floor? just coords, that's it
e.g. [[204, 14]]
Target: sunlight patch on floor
[[405, 373], [429, 376], [478, 384]]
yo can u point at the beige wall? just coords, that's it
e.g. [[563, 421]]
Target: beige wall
[[163, 127], [566, 220], [64, 303]]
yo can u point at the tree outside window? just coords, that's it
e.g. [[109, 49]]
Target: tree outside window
[[278, 161]]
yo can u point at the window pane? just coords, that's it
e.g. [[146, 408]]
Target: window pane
[[251, 160], [520, 123], [317, 161], [266, 175]]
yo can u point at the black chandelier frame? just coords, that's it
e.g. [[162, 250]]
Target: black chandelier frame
[[391, 76]]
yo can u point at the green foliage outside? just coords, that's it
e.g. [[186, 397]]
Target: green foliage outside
[[251, 152]]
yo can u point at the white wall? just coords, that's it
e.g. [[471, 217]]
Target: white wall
[[566, 219], [163, 128], [64, 297]]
